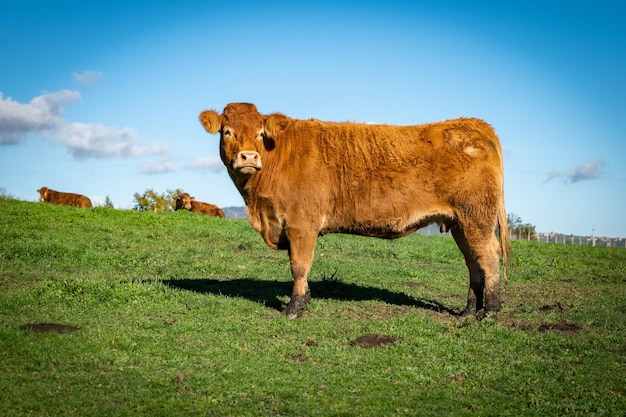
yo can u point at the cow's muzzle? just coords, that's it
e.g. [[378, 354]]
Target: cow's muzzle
[[248, 162]]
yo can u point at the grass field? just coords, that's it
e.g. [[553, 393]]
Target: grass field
[[120, 313]]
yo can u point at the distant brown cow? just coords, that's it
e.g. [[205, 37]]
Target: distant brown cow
[[185, 201], [63, 199], [303, 178]]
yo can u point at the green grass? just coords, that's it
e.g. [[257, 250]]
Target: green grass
[[179, 315]]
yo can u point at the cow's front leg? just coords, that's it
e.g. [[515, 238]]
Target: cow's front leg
[[301, 249]]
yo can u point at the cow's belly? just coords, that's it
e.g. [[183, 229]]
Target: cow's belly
[[381, 227], [374, 232]]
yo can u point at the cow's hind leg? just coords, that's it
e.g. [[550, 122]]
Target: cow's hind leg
[[301, 249], [480, 249]]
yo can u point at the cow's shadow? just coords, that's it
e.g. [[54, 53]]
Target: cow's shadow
[[269, 293]]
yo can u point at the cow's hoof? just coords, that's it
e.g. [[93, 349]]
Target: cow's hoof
[[297, 306], [479, 314], [468, 312], [493, 307]]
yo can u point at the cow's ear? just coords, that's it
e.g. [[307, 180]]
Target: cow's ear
[[211, 121], [274, 124], [192, 198]]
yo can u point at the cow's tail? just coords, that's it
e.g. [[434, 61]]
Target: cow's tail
[[505, 238]]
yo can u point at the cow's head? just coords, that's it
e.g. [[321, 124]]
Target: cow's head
[[241, 136], [183, 201], [43, 193]]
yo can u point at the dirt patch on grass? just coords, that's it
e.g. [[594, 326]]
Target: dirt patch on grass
[[563, 326], [374, 339], [509, 320], [49, 327]]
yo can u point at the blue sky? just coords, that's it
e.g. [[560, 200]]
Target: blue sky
[[102, 97]]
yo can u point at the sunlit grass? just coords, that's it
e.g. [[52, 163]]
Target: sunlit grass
[[179, 314]]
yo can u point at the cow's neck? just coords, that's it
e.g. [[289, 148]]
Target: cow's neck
[[247, 187]]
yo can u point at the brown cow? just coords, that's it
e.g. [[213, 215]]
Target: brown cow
[[303, 178], [185, 201], [63, 199]]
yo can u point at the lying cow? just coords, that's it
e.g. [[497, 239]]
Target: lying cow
[[63, 199], [301, 179], [185, 201]]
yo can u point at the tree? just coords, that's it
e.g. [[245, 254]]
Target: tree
[[513, 221], [520, 230], [107, 202], [527, 231], [150, 200]]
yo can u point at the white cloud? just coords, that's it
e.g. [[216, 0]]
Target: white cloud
[[44, 116], [212, 163], [588, 171], [99, 141], [44, 112], [166, 166], [159, 167], [87, 77]]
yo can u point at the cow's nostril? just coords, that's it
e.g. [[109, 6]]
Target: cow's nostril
[[248, 156]]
